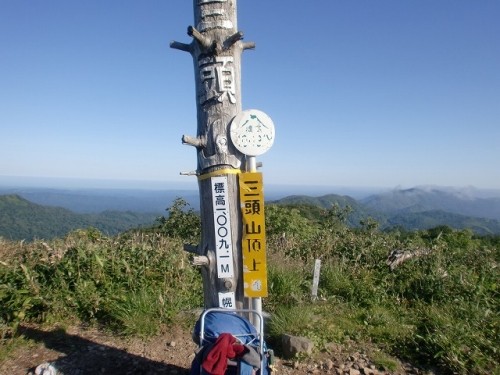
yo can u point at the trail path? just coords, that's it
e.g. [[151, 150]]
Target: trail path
[[81, 351]]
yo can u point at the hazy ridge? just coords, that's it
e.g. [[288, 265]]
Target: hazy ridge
[[30, 212], [416, 208], [21, 219], [99, 200]]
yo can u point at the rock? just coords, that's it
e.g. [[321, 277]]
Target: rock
[[353, 371], [47, 369], [310, 368], [328, 365], [293, 345]]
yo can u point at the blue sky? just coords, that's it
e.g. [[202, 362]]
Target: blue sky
[[363, 93]]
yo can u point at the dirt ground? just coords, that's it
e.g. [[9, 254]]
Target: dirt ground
[[80, 351], [77, 350]]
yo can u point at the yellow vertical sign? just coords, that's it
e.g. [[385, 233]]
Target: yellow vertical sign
[[253, 243]]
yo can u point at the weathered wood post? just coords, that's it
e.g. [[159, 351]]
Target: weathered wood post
[[216, 50]]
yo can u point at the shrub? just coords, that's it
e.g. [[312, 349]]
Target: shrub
[[103, 280]]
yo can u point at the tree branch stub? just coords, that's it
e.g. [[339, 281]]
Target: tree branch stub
[[204, 41], [194, 141], [201, 260], [248, 45], [181, 46], [191, 248]]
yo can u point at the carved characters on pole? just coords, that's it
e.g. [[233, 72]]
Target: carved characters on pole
[[217, 79], [216, 50], [213, 17]]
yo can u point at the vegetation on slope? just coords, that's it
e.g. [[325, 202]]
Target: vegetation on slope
[[437, 307], [21, 219], [428, 199], [419, 211]]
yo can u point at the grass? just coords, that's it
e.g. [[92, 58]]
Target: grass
[[129, 283], [138, 313], [440, 310], [384, 361], [8, 346]]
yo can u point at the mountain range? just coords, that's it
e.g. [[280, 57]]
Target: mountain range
[[21, 219], [416, 208], [95, 200], [48, 213], [429, 199]]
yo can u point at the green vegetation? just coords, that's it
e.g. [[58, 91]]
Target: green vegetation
[[129, 284], [420, 210], [21, 219], [438, 307]]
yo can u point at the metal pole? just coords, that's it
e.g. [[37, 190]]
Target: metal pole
[[253, 303]]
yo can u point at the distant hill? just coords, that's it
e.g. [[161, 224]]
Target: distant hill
[[322, 201], [21, 219], [359, 211], [99, 200], [23, 216], [434, 218], [428, 199], [414, 209]]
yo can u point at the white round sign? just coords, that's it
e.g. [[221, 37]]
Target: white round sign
[[252, 132]]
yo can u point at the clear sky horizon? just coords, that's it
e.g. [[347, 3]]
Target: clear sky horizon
[[362, 93]]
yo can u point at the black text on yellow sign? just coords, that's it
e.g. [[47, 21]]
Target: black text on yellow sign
[[253, 243]]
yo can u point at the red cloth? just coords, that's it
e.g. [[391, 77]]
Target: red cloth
[[224, 348]]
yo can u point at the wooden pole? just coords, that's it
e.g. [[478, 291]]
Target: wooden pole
[[216, 50]]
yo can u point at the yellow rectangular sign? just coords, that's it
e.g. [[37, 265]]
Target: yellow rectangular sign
[[253, 243]]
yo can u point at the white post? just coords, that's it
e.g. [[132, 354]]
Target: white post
[[317, 267], [251, 164]]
